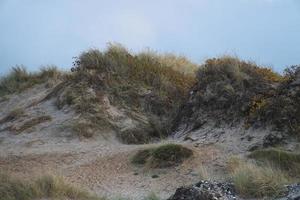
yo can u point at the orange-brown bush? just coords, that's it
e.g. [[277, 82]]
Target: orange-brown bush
[[282, 109], [231, 85], [230, 90]]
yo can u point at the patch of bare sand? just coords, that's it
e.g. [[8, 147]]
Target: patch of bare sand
[[110, 173]]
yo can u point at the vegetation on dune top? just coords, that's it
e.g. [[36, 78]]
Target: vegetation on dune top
[[20, 79], [167, 155], [169, 90], [232, 90], [232, 84], [147, 83], [167, 73]]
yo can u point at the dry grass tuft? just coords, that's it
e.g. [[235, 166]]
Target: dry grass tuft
[[20, 79], [285, 160], [32, 122], [252, 180], [12, 188]]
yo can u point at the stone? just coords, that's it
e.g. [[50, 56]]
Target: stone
[[205, 190]]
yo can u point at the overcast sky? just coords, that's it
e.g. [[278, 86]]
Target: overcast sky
[[42, 32]]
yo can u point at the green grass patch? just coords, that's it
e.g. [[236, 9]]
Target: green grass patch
[[141, 157], [167, 155]]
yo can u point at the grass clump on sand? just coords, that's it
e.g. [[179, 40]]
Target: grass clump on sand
[[254, 181], [13, 115], [167, 155], [83, 129], [141, 157], [283, 159], [33, 122], [20, 79], [12, 188]]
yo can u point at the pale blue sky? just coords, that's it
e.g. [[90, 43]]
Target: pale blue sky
[[41, 32]]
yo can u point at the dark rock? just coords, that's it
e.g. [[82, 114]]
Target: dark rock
[[205, 190], [155, 176], [249, 138], [186, 138], [272, 139]]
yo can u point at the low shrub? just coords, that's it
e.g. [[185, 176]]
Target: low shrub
[[233, 83], [141, 157], [282, 108], [230, 90], [167, 155]]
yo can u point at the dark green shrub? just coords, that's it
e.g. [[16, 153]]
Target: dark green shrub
[[167, 155], [141, 157]]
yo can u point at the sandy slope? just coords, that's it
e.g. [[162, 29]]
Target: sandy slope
[[102, 164]]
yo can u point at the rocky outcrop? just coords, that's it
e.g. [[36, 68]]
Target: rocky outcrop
[[205, 190]]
